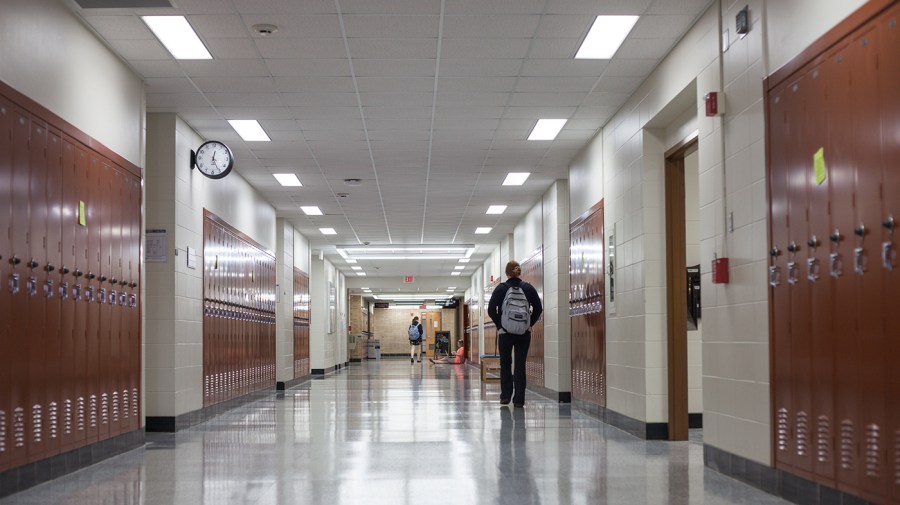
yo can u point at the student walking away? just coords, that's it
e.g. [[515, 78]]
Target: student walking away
[[514, 307], [415, 333]]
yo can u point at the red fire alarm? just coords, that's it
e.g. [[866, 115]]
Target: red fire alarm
[[720, 270], [712, 103]]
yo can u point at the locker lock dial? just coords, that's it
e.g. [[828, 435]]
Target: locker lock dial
[[889, 223], [860, 230], [78, 273], [792, 247], [123, 282], [102, 278], [64, 270], [813, 242], [50, 267], [133, 284], [32, 264], [14, 260], [774, 252], [91, 276], [114, 281], [835, 236]]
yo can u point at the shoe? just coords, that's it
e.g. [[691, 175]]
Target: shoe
[[412, 360], [519, 405], [504, 401]]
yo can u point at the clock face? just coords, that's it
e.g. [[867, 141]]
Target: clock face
[[214, 159]]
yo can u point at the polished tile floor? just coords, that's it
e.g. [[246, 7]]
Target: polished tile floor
[[394, 433]]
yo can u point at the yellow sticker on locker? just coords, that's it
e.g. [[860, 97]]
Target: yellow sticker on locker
[[82, 220], [819, 166]]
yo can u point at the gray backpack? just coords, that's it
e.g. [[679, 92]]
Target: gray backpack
[[515, 313]]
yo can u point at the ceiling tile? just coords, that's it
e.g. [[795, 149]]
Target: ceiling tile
[[219, 26], [232, 48], [394, 27], [394, 68], [297, 26], [226, 68], [563, 67], [309, 67], [490, 26], [284, 6], [465, 67], [661, 27], [392, 48], [285, 48], [485, 48], [140, 49], [120, 27], [644, 48]]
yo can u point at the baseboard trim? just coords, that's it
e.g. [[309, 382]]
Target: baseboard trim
[[640, 429], [27, 476], [322, 371], [288, 384], [774, 481], [559, 396], [171, 424], [695, 421]]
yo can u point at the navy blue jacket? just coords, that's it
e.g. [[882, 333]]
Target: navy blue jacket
[[499, 293]]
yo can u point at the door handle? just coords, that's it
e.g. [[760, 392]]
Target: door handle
[[14, 283], [774, 276], [859, 260], [792, 273], [812, 266], [835, 265], [887, 255]]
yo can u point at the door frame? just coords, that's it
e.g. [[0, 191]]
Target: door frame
[[676, 292]]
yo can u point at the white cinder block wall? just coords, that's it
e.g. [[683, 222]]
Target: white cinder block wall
[[173, 308], [284, 319], [557, 327]]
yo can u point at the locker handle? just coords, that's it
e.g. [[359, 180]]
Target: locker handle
[[15, 261], [835, 265], [860, 230], [859, 260], [887, 256], [792, 273], [889, 223], [812, 265], [835, 236], [50, 267], [14, 283], [32, 264], [774, 276]]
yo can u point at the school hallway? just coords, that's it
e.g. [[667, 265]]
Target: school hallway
[[394, 433]]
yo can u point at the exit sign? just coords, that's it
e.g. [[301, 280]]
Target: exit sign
[[408, 279]]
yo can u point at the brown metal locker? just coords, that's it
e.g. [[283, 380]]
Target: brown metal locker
[[6, 344], [66, 281], [779, 296], [93, 294], [54, 331], [533, 273], [866, 124], [79, 294], [889, 100], [815, 274], [104, 291], [19, 256], [117, 282]]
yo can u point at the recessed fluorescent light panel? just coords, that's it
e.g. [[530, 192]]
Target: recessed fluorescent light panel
[[351, 262], [423, 252], [249, 130], [516, 178], [464, 260], [361, 274], [311, 210], [459, 267], [356, 268], [455, 273], [327, 231], [546, 129], [606, 35], [496, 209], [179, 38], [288, 180], [481, 230]]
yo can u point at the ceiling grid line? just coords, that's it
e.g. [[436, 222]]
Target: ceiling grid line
[[437, 74], [509, 98], [362, 114]]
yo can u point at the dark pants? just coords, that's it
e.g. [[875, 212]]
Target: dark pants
[[508, 382]]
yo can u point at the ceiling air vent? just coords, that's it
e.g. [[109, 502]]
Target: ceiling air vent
[[122, 4]]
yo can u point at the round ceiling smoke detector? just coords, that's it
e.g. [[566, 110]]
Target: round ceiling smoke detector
[[264, 29], [353, 182]]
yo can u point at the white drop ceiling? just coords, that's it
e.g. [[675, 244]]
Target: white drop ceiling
[[427, 102]]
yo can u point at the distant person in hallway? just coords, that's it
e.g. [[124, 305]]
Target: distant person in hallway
[[514, 308], [415, 333]]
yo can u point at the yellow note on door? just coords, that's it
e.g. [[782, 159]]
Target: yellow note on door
[[819, 166]]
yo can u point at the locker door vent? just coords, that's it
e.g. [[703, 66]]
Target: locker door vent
[[125, 412], [873, 451], [53, 419], [80, 414], [897, 458], [782, 429], [115, 406], [847, 444], [134, 402], [2, 431], [67, 417], [93, 411], [19, 427], [823, 440], [37, 423], [802, 433]]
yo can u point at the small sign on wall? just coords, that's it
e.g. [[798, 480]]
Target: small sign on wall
[[157, 246], [191, 257], [408, 279]]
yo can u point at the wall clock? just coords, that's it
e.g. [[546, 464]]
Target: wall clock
[[213, 159]]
